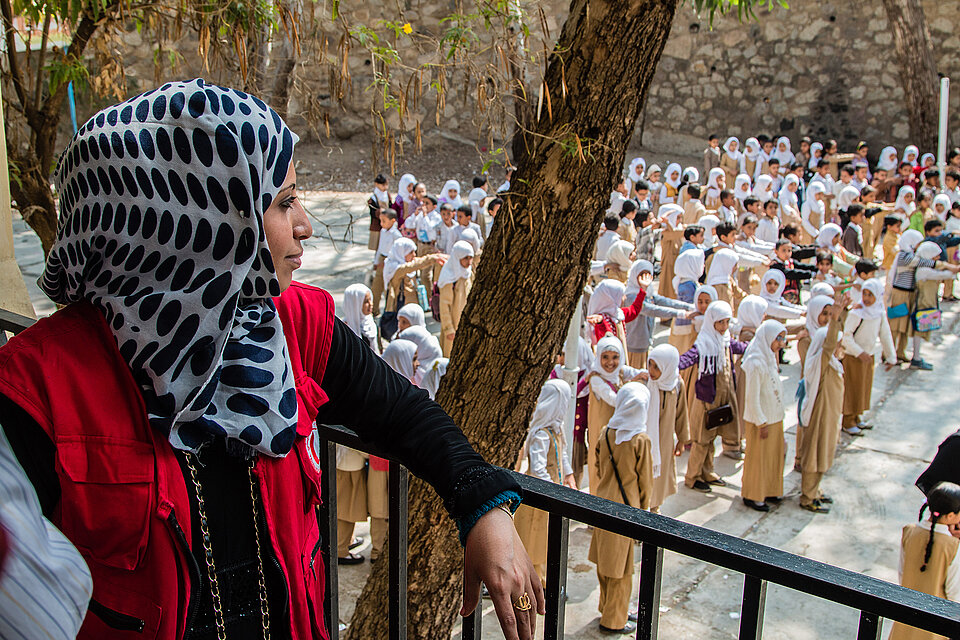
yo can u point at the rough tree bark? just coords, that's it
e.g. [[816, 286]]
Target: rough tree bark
[[41, 111], [530, 279], [918, 71]]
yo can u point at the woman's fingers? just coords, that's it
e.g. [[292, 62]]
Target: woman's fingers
[[507, 615]]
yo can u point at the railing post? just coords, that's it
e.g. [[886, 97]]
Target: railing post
[[870, 624], [472, 624], [328, 535], [558, 536], [751, 609], [651, 570], [397, 553]]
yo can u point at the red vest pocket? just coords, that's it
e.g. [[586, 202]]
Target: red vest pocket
[[107, 495]]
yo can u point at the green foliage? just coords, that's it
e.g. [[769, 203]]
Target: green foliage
[[745, 9], [63, 69]]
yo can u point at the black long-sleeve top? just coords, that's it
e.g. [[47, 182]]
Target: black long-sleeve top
[[365, 395]]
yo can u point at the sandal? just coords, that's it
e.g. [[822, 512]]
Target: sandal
[[816, 507]]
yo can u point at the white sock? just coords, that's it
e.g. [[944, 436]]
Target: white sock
[[917, 341]]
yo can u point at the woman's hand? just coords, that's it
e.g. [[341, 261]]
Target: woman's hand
[[495, 556], [569, 481]]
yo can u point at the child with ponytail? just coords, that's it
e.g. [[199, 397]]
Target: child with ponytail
[[928, 554]]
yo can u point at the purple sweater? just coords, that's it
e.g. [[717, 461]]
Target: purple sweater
[[706, 386]]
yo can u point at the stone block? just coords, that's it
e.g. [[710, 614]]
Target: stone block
[[883, 38], [810, 32], [900, 130]]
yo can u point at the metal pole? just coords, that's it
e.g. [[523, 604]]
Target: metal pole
[[944, 120], [571, 368]]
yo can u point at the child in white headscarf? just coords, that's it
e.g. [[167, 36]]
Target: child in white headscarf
[[626, 476], [401, 269], [671, 184], [763, 415], [410, 315], [720, 273], [820, 409], [748, 161], [450, 194], [813, 212], [906, 204], [716, 182], [763, 189], [689, 267], [619, 258], [783, 154], [639, 334], [772, 285], [888, 159], [789, 203], [606, 376], [730, 158], [667, 423], [634, 175], [454, 282], [712, 355], [670, 240], [545, 449], [911, 154], [927, 309], [428, 350], [358, 314], [865, 326]]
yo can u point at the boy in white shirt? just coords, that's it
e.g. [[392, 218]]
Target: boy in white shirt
[[608, 236], [493, 208], [447, 231], [952, 183], [475, 198], [388, 235], [768, 226], [465, 221], [426, 223]]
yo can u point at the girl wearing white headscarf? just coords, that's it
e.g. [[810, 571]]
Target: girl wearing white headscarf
[[865, 326], [667, 423], [813, 212], [626, 476], [709, 223], [772, 285], [545, 449], [741, 191], [712, 355], [689, 176], [671, 184], [911, 154], [400, 271], [762, 189], [640, 333], [670, 240], [410, 315], [720, 271], [450, 194], [906, 203], [789, 203], [888, 159], [358, 314], [689, 267], [928, 290], [817, 307], [454, 282], [763, 414], [748, 161], [606, 314], [619, 258], [635, 174], [716, 182], [816, 154], [406, 201], [730, 158], [820, 410], [941, 207], [607, 374], [428, 350], [783, 154]]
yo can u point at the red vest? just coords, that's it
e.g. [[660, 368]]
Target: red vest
[[124, 501]]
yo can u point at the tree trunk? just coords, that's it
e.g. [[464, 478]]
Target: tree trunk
[[918, 71], [533, 271], [282, 78]]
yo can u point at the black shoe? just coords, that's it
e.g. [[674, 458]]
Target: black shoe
[[630, 627], [773, 499], [719, 482], [825, 499], [352, 558], [356, 542], [701, 486], [756, 506]]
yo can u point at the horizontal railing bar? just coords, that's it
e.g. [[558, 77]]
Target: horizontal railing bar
[[819, 579], [14, 322]]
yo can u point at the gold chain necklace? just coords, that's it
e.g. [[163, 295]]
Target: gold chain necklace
[[208, 553]]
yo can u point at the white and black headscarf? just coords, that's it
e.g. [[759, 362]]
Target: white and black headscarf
[[161, 228]]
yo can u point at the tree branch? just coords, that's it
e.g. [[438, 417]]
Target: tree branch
[[16, 73], [38, 88]]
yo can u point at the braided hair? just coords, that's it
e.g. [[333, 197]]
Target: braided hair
[[942, 499]]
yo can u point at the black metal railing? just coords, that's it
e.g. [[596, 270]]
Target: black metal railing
[[760, 564]]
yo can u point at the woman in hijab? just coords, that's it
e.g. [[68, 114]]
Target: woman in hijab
[[763, 415], [358, 314], [712, 355], [748, 161], [211, 367], [455, 281], [627, 459], [820, 408], [667, 423], [607, 374], [545, 449], [730, 158], [866, 326]]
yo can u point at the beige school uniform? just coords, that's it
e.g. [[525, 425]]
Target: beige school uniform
[[612, 553], [351, 496], [913, 544], [746, 335], [860, 336], [749, 167], [614, 272], [693, 211], [674, 428], [670, 241], [763, 461], [599, 413], [409, 285], [532, 523], [378, 505], [731, 167], [820, 437], [453, 298], [700, 464], [902, 328], [627, 230]]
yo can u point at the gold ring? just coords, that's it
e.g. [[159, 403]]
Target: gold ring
[[523, 603]]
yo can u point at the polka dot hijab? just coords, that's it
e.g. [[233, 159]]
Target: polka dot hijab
[[161, 228]]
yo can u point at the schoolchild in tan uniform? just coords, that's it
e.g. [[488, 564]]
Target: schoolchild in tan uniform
[[627, 460], [670, 241], [400, 270], [619, 258], [748, 161], [667, 421], [763, 415], [455, 281], [730, 159], [929, 560], [820, 410]]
